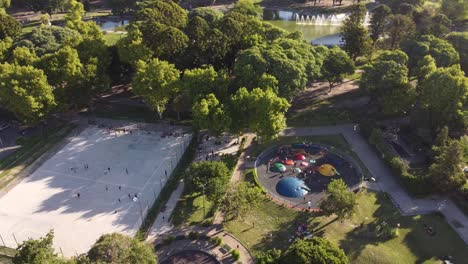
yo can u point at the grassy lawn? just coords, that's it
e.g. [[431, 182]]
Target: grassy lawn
[[324, 112], [271, 225], [112, 38], [189, 210], [32, 148], [6, 255]]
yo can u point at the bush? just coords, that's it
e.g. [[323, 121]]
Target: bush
[[235, 254], [399, 166], [217, 241], [193, 235], [169, 239]]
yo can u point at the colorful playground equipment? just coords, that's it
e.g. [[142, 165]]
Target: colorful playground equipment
[[299, 157], [278, 167], [292, 187], [327, 170]]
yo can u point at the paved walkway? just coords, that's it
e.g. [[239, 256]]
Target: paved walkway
[[162, 224], [387, 182], [162, 227]]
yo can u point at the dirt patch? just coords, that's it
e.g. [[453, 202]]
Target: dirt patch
[[320, 91]]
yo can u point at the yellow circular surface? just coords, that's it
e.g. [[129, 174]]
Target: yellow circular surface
[[327, 170]]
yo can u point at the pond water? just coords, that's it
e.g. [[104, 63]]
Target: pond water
[[318, 29], [111, 23]]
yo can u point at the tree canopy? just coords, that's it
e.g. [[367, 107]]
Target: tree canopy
[[25, 92], [155, 83], [443, 98], [336, 66], [211, 176], [119, 248], [315, 250], [9, 27], [339, 200]]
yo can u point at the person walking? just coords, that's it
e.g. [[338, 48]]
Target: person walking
[[78, 195]]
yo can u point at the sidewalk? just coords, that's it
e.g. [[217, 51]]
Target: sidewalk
[[387, 182], [162, 224]]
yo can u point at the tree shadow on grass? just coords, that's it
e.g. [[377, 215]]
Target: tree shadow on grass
[[186, 208], [432, 237], [380, 230], [282, 237]]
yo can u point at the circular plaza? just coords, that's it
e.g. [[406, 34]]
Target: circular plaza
[[297, 175], [191, 257]]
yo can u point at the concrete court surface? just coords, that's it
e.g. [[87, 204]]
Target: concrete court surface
[[48, 198]]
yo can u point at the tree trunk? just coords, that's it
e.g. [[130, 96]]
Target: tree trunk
[[159, 112]]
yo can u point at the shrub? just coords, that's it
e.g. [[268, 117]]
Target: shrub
[[193, 235], [399, 166], [217, 241], [169, 239], [235, 254]]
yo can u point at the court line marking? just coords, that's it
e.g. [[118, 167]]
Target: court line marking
[[97, 181]]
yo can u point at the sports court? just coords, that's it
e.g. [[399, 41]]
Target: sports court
[[104, 180]]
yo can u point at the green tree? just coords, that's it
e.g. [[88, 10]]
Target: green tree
[[441, 25], [425, 67], [387, 81], [261, 111], [131, 48], [379, 21], [456, 10], [446, 172], [441, 141], [443, 98], [49, 39], [212, 177], [121, 7], [74, 21], [63, 69], [210, 15], [339, 201], [271, 256], [164, 41], [199, 82], [239, 199], [441, 50], [4, 4], [315, 250], [24, 91], [355, 35], [38, 251], [23, 56], [155, 83], [336, 66], [168, 13], [209, 114], [400, 28], [119, 248], [5, 46], [9, 27], [248, 7], [459, 41]]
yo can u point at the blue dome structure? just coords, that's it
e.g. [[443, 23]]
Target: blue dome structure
[[292, 187]]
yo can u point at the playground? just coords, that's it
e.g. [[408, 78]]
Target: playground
[[103, 180], [298, 174]]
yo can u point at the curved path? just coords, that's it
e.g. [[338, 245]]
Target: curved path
[[386, 182]]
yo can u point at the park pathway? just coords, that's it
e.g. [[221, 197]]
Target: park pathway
[[386, 182], [162, 226]]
